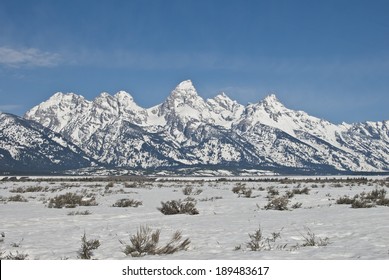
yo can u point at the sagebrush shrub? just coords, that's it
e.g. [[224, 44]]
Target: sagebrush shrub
[[17, 198], [366, 200], [278, 203], [17, 256], [82, 213], [304, 190], [87, 247], [242, 190], [189, 190], [272, 192], [125, 202], [29, 189], [71, 200], [260, 243], [174, 207], [145, 242]]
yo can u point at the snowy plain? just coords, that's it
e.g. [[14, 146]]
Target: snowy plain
[[220, 230]]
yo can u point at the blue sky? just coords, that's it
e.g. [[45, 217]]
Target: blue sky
[[328, 58]]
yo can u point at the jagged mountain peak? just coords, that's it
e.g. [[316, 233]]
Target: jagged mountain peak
[[182, 100], [223, 97], [224, 102], [272, 101], [124, 96], [61, 97], [185, 85], [103, 95], [184, 91]]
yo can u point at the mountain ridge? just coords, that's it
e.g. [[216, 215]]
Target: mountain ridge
[[187, 130]]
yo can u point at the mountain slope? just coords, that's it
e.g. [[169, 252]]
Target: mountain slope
[[27, 146]]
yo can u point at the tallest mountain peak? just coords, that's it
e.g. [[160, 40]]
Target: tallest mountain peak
[[184, 90], [185, 85]]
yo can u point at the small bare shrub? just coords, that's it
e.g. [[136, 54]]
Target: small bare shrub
[[145, 242], [12, 256], [361, 204], [259, 243], [189, 190], [272, 192], [174, 207], [211, 198], [310, 239], [17, 198], [130, 186], [87, 246], [17, 256], [383, 202], [278, 203], [125, 202], [345, 200], [242, 190], [175, 244], [297, 205], [304, 190], [82, 213]]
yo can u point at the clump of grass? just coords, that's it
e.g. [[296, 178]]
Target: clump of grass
[[145, 242], [174, 207], [260, 243], [297, 205], [211, 198], [71, 200], [17, 198], [12, 256], [87, 247], [125, 202], [310, 239]]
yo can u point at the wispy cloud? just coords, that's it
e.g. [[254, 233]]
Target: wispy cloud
[[30, 57]]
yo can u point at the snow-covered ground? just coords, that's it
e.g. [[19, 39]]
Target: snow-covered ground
[[220, 230]]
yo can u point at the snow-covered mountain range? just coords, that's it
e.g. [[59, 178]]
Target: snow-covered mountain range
[[186, 130]]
